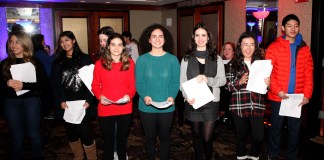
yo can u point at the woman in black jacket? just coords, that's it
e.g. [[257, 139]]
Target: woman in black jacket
[[67, 86], [22, 110]]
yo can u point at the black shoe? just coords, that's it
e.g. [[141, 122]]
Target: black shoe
[[272, 158]]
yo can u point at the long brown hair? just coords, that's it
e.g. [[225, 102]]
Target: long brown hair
[[26, 43], [106, 58], [212, 52]]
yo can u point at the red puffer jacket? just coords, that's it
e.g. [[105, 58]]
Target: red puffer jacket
[[279, 54]]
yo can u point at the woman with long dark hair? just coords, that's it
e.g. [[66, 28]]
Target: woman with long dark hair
[[247, 107], [23, 110], [202, 62], [67, 86], [46, 59]]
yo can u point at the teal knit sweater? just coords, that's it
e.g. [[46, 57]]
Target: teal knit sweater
[[157, 77]]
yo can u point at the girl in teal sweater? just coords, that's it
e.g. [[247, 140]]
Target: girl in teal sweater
[[157, 80]]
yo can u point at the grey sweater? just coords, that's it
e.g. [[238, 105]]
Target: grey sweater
[[214, 82]]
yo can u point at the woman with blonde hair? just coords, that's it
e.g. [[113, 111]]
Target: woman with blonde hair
[[22, 110]]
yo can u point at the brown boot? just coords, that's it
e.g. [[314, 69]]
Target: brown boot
[[91, 151], [77, 150]]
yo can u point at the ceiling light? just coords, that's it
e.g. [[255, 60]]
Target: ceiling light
[[261, 14]]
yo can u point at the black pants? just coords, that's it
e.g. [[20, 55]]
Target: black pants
[[179, 102], [108, 125], [243, 127], [157, 124], [80, 131]]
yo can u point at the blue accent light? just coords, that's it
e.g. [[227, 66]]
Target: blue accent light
[[3, 33], [251, 24]]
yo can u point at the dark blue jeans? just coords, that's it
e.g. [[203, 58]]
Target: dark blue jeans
[[21, 112], [275, 133]]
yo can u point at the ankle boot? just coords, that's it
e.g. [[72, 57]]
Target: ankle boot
[[77, 150], [91, 151]]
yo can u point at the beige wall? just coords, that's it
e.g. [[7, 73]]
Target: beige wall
[[173, 28], [234, 19], [139, 20], [304, 13]]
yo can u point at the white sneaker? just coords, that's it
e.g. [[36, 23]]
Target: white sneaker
[[253, 158], [241, 157], [115, 156]]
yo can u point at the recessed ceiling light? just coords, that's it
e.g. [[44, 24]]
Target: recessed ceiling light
[[107, 2], [82, 1]]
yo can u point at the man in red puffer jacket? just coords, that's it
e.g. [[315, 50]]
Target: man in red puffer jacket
[[292, 73]]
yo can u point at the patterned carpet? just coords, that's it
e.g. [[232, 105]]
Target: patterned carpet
[[56, 144]]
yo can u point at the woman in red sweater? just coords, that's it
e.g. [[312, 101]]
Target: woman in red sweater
[[114, 86]]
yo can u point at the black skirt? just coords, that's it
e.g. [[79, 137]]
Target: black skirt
[[208, 112]]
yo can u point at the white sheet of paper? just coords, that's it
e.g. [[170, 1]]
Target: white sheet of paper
[[289, 107], [259, 70], [199, 91], [122, 101], [86, 75], [161, 105], [119, 101], [24, 72], [75, 112]]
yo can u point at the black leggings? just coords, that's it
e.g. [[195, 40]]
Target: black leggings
[[80, 131], [157, 124], [108, 126], [202, 133]]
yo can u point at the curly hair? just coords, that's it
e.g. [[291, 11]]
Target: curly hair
[[26, 43], [239, 57], [106, 58], [61, 53], [193, 46], [145, 46]]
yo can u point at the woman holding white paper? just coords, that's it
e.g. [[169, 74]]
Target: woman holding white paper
[[157, 80], [22, 110], [202, 62], [67, 87], [247, 107], [114, 86]]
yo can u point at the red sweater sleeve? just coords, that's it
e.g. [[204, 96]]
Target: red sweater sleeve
[[131, 90], [96, 82]]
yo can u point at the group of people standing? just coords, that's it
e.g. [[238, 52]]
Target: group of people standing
[[156, 77], [292, 73]]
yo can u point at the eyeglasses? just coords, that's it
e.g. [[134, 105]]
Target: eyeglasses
[[248, 45]]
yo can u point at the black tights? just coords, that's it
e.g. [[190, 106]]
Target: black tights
[[202, 133]]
